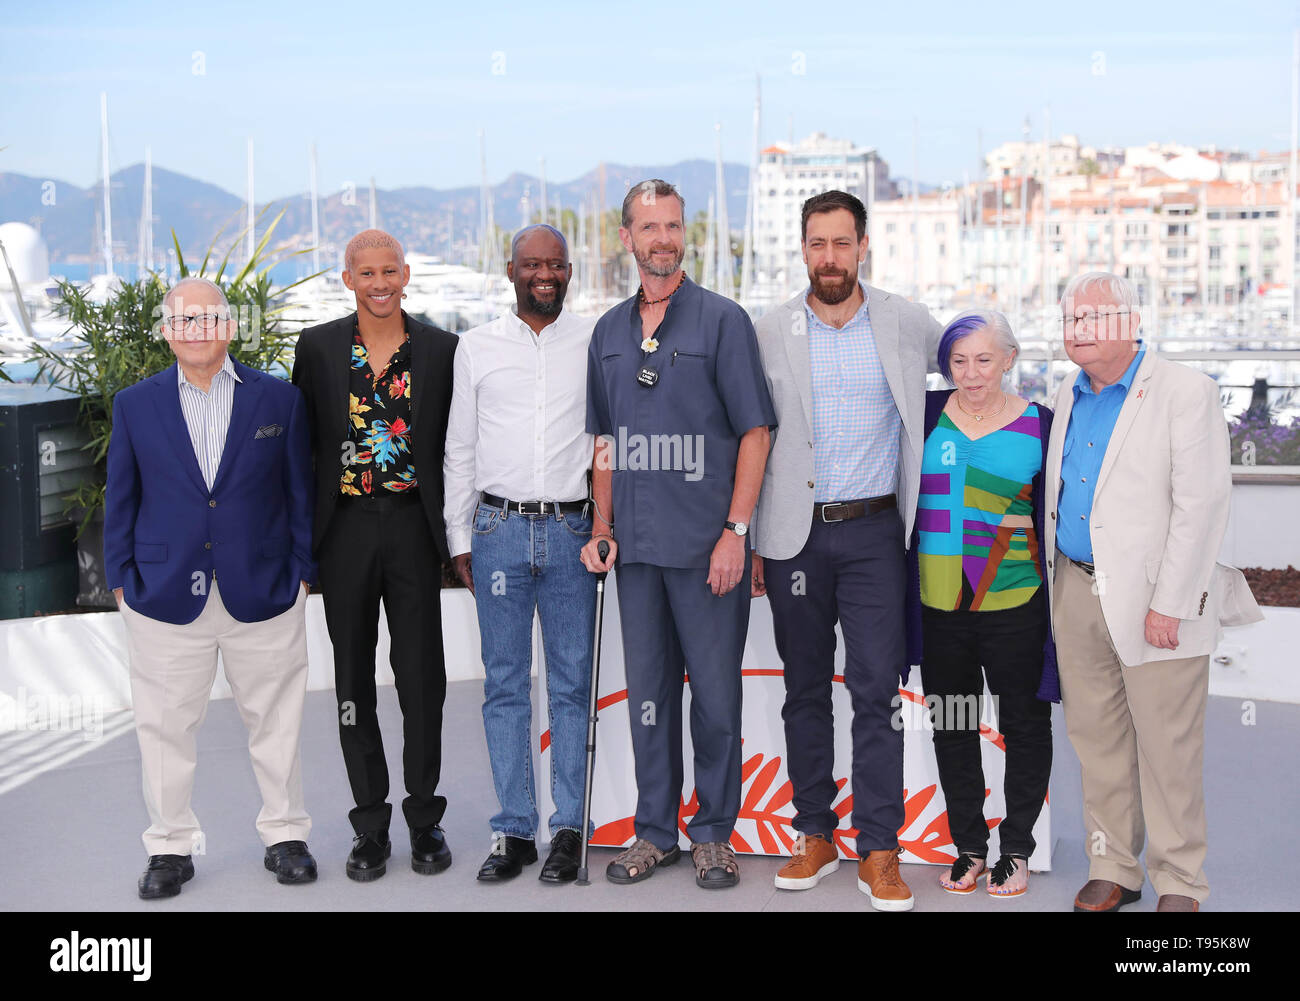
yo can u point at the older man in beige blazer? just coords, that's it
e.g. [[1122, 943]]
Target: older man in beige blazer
[[1138, 485]]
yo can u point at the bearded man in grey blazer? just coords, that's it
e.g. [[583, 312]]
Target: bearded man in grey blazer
[[846, 367]]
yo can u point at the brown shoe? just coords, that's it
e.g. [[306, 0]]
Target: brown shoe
[[1103, 895], [1176, 902], [812, 858], [878, 878]]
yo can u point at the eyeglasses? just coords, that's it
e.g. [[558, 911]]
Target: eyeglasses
[[1091, 316], [207, 322]]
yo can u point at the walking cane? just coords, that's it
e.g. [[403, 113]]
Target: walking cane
[[602, 550]]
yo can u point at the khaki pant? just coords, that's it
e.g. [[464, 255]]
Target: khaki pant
[[1139, 733], [172, 670]]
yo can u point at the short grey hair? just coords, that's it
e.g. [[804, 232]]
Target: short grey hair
[[1113, 287], [546, 227], [964, 324], [648, 191], [194, 280]]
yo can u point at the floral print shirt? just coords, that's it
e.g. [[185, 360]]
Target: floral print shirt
[[379, 424]]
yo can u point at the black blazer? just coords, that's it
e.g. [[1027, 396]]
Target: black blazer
[[320, 369]]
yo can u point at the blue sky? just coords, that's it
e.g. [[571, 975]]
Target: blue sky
[[401, 94]]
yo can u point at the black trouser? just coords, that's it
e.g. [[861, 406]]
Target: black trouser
[[1009, 645], [384, 549]]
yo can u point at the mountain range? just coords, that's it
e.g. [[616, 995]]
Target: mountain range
[[423, 218]]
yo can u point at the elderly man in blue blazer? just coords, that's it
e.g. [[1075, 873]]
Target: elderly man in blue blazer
[[207, 547]]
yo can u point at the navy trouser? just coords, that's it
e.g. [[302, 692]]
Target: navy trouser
[[852, 572], [672, 623]]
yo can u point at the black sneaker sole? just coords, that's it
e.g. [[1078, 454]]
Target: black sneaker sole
[[368, 875], [430, 868], [670, 856]]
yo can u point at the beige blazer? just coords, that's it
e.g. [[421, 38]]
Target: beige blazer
[[1159, 512], [907, 340]]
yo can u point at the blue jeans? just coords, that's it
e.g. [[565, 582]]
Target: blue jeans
[[522, 563]]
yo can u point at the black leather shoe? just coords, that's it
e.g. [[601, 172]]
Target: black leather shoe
[[291, 862], [164, 875], [369, 856], [508, 858], [562, 864], [429, 851]]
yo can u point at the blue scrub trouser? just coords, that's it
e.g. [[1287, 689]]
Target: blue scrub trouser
[[672, 623]]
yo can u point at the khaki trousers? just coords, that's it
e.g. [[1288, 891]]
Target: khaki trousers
[[172, 670], [1139, 733]]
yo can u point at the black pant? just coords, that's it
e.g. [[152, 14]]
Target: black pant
[[372, 550], [1009, 645]]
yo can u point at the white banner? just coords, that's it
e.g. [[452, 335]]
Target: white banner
[[766, 811]]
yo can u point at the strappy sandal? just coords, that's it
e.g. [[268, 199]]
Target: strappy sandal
[[1009, 877], [639, 862], [715, 865], [965, 873]]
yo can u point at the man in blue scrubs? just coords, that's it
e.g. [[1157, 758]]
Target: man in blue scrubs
[[677, 396]]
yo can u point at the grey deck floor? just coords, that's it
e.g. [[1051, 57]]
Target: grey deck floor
[[71, 835]]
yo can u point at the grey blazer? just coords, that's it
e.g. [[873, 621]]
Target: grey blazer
[[907, 340]]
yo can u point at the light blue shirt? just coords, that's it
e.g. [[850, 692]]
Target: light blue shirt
[[856, 424], [1092, 421], [207, 416]]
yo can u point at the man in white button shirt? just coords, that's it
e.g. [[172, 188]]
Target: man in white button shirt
[[517, 515]]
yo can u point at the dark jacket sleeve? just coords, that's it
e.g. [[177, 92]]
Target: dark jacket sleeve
[[1049, 687], [935, 400], [121, 501]]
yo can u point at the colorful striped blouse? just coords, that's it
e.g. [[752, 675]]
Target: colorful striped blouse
[[976, 543]]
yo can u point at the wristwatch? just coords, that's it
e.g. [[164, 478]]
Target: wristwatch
[[739, 527]]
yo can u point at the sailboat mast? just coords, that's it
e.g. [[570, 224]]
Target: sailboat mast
[[146, 216], [251, 238], [747, 250], [108, 209], [725, 285], [315, 216]]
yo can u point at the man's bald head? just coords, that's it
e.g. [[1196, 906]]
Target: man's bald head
[[371, 239], [195, 290]]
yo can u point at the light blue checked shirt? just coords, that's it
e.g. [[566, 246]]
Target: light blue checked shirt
[[856, 424], [207, 416]]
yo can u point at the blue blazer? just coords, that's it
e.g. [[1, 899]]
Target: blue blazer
[[165, 533]]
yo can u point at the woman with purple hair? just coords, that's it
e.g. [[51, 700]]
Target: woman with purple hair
[[979, 597]]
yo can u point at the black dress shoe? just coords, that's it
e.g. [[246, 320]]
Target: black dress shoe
[[291, 862], [429, 851], [369, 856], [164, 875], [562, 864], [508, 858]]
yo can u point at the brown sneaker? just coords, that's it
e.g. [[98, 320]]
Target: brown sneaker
[[811, 858], [878, 878]]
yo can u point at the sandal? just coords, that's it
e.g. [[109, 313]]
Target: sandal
[[1010, 877], [639, 862], [715, 865], [965, 873]]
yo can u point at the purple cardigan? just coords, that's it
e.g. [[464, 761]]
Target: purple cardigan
[[1049, 688]]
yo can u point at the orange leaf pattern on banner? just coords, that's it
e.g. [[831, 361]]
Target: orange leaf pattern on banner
[[774, 827]]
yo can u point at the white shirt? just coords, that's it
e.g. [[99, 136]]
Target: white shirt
[[207, 416], [518, 417]]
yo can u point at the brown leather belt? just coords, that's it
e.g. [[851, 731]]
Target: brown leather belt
[[848, 510]]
